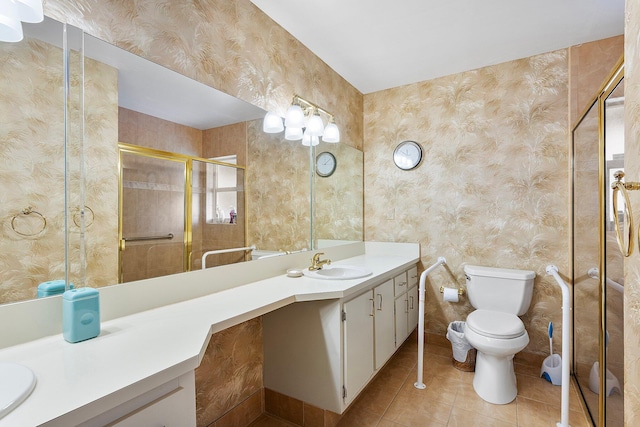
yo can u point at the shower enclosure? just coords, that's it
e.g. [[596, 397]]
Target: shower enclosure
[[598, 262], [175, 207]]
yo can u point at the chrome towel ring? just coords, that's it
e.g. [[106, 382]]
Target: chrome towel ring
[[28, 211], [624, 187]]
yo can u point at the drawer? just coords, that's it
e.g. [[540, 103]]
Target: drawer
[[400, 284], [412, 277]]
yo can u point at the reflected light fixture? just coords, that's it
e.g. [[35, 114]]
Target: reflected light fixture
[[303, 121], [14, 11]]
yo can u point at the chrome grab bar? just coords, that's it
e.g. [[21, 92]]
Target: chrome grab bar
[[140, 239]]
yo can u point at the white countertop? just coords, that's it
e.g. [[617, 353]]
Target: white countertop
[[140, 351]]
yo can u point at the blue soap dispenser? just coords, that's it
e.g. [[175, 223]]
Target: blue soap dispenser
[[80, 314]]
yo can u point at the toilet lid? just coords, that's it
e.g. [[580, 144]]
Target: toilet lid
[[495, 324]]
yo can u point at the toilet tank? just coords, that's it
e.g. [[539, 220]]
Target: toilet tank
[[499, 289]]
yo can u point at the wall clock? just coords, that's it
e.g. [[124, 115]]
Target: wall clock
[[325, 164], [407, 155]]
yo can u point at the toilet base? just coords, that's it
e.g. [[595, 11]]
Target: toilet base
[[495, 379]]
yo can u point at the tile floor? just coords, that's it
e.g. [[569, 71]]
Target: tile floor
[[449, 400]]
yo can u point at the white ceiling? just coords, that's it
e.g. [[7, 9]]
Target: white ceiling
[[377, 45]]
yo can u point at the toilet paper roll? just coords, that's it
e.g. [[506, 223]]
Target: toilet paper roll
[[450, 295]]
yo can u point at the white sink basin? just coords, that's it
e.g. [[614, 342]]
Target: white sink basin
[[16, 383], [338, 272]]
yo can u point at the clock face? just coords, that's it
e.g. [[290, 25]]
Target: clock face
[[325, 164], [407, 155]]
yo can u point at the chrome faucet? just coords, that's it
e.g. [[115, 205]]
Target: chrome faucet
[[317, 264]]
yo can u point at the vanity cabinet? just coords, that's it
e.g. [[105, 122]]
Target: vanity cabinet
[[406, 304], [325, 352], [173, 404]]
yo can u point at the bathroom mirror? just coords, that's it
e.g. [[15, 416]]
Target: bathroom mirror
[[277, 186]]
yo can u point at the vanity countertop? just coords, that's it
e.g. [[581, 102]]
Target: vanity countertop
[[144, 350]]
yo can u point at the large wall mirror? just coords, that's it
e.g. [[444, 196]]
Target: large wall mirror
[[148, 171]]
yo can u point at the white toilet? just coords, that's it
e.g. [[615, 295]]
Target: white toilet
[[499, 296]]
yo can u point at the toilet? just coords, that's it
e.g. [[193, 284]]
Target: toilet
[[494, 329]]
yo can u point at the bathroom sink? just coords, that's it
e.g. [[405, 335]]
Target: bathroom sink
[[16, 383], [338, 272]]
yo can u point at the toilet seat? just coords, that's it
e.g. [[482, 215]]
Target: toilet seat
[[495, 324]]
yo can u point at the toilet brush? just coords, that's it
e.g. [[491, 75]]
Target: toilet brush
[[550, 329]]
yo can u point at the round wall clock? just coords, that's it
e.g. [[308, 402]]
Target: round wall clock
[[407, 155], [325, 164]]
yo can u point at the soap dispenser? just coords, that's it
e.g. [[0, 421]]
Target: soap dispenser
[[80, 314]]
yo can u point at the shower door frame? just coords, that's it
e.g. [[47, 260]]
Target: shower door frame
[[610, 84], [124, 148]]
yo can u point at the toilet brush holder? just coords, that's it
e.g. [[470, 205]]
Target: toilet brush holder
[[551, 369]]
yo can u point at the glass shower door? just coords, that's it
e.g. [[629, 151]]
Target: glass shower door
[[152, 215]]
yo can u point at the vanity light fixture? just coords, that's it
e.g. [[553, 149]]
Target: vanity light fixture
[[303, 120], [14, 11]]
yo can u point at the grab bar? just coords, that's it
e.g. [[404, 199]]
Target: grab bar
[[552, 270], [419, 384], [224, 251], [595, 274], [140, 239]]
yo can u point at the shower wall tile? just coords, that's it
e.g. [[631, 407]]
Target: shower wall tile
[[590, 65], [493, 185]]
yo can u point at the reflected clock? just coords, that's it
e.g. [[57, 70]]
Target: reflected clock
[[325, 164]]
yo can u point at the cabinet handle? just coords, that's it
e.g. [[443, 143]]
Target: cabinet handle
[[373, 306], [402, 283], [380, 305], [411, 299], [407, 301]]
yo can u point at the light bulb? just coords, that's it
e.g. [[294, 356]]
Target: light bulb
[[331, 133], [294, 117], [272, 123], [10, 25], [315, 127], [293, 133], [308, 139]]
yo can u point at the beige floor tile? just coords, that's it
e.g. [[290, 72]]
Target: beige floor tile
[[543, 391], [533, 371], [532, 413], [438, 350], [377, 397], [387, 423], [441, 389], [440, 366], [464, 418], [394, 375], [357, 417], [468, 399], [417, 411], [269, 421]]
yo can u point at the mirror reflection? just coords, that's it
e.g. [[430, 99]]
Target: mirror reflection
[[157, 142]]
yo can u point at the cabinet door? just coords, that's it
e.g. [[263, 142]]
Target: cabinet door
[[413, 309], [358, 344], [400, 284], [402, 311], [385, 340]]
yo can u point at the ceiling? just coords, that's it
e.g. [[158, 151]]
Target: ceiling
[[377, 45]]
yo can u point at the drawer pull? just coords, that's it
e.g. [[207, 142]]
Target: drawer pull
[[380, 305]]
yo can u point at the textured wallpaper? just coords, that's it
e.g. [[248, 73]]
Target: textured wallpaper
[[32, 150], [492, 187], [277, 191], [229, 45], [632, 168], [31, 135]]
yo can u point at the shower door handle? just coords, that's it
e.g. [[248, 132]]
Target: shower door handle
[[123, 244]]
